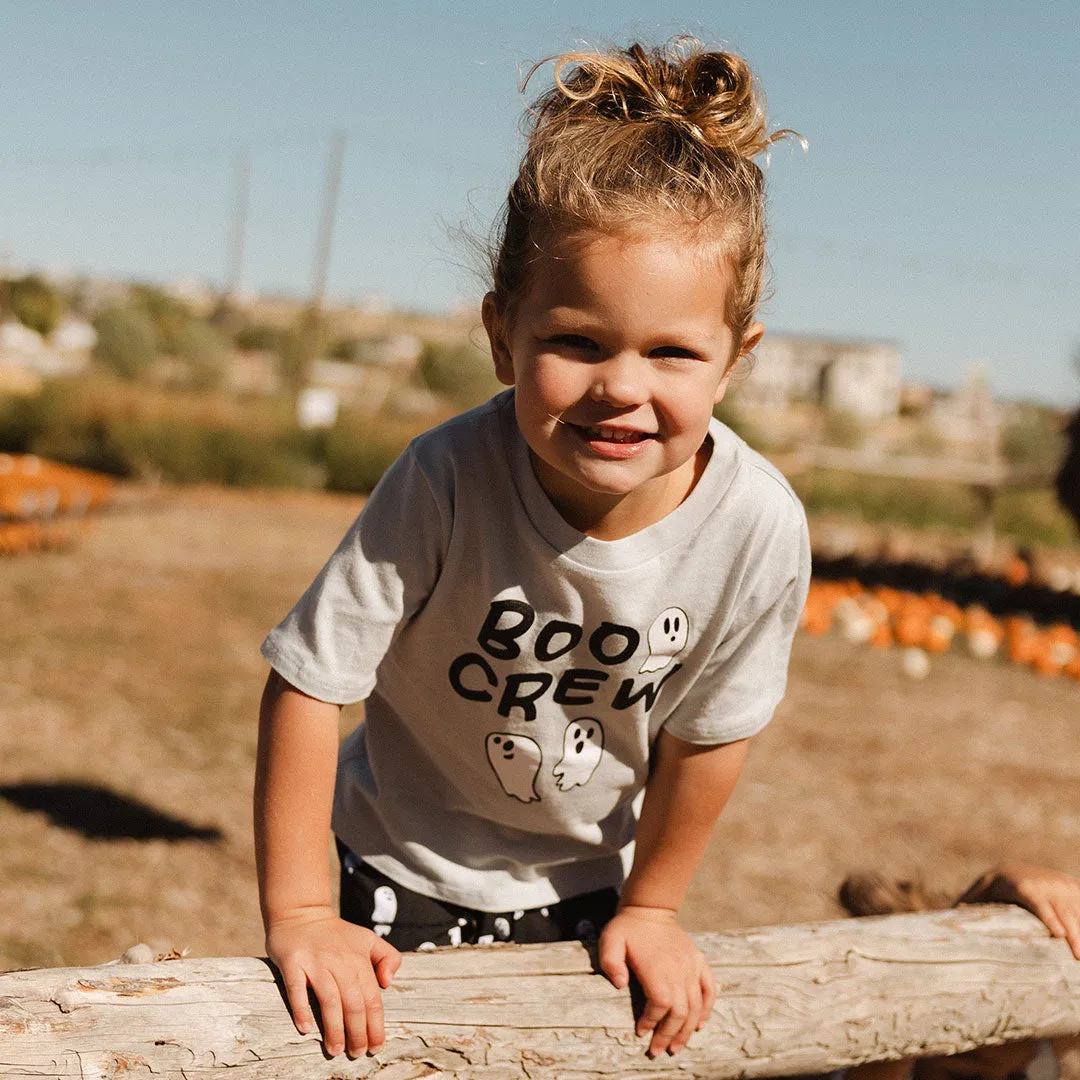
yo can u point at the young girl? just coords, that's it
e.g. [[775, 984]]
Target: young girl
[[567, 610]]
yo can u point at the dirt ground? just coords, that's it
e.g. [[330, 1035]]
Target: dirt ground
[[130, 666]]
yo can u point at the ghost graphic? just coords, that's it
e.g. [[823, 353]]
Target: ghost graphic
[[667, 638], [516, 761], [385, 910], [583, 747]]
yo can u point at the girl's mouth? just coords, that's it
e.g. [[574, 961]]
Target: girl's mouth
[[613, 442], [613, 435]]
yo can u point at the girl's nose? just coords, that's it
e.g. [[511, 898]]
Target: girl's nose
[[620, 380]]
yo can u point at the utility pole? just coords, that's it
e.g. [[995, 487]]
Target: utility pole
[[225, 315], [327, 219], [234, 269]]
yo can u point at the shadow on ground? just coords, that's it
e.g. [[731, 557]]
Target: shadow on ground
[[100, 814]]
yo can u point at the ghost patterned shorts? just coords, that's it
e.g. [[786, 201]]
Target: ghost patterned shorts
[[410, 921]]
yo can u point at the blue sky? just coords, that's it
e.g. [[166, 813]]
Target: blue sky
[[939, 204]]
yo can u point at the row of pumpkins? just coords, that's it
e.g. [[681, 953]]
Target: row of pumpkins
[[43, 505], [923, 624]]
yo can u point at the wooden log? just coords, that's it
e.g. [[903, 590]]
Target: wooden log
[[796, 999]]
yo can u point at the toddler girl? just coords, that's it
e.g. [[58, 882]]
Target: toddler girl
[[567, 610]]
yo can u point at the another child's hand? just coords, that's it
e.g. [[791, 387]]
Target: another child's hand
[[1054, 897], [678, 984], [345, 965]]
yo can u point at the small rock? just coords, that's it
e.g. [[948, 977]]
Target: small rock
[[138, 954]]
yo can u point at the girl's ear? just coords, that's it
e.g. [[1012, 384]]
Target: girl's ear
[[750, 341], [752, 338], [496, 328]]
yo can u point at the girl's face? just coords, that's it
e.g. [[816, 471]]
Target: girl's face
[[618, 351]]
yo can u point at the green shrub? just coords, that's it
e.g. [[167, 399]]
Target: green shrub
[[168, 314], [348, 349], [36, 304], [1034, 516], [918, 503], [462, 373], [127, 341], [20, 422], [258, 338], [135, 431], [1025, 515], [192, 453], [203, 348], [359, 450], [729, 414], [1033, 439]]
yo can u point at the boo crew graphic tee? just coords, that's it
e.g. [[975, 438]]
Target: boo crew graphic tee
[[516, 671]]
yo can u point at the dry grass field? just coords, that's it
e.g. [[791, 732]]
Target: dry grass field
[[129, 671]]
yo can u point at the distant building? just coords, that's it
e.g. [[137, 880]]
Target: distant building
[[856, 377], [65, 352], [968, 419], [402, 351], [915, 398], [252, 373]]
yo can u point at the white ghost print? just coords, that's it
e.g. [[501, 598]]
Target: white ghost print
[[583, 747], [384, 912], [516, 761], [667, 638]]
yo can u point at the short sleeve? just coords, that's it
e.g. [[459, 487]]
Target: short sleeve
[[744, 680], [380, 576]]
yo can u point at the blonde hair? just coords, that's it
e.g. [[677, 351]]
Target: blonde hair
[[626, 138]]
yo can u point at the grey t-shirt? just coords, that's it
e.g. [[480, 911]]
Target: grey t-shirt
[[517, 671]]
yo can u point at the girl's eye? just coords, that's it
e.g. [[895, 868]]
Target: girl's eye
[[673, 352], [572, 341]]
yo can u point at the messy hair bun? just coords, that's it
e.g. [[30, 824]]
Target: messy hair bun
[[710, 97], [631, 136]]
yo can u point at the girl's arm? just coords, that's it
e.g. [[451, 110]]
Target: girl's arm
[[343, 964], [686, 791]]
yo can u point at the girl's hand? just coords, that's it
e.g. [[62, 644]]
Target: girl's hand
[[678, 985], [1054, 897], [345, 965]]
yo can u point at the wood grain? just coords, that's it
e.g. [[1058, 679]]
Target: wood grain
[[791, 1000]]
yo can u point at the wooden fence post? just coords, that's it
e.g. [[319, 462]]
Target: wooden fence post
[[794, 999]]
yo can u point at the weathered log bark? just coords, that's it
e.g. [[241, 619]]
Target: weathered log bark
[[794, 999]]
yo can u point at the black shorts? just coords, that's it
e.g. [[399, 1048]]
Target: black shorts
[[410, 921]]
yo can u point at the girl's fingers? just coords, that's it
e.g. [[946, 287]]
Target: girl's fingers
[[354, 1019], [1070, 919], [653, 1013], [708, 995], [693, 1018], [374, 1008], [612, 958], [386, 964], [333, 1026], [668, 1026], [296, 993], [1047, 912], [362, 1010]]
